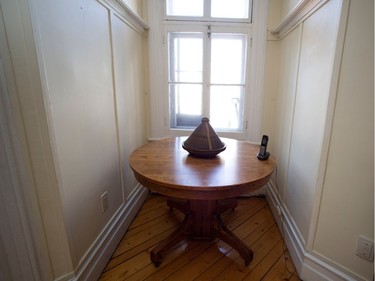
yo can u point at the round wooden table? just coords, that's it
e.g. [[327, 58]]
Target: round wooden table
[[201, 188]]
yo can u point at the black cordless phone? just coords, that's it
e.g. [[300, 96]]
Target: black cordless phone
[[263, 154]]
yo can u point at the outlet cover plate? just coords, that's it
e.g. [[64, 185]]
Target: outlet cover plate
[[365, 248]]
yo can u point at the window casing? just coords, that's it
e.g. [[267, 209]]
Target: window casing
[[158, 92]]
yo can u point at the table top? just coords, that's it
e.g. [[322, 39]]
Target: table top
[[163, 166]]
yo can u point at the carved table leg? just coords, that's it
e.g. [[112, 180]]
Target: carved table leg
[[232, 240], [202, 221], [180, 234]]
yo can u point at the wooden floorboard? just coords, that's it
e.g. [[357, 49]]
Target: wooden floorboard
[[252, 221]]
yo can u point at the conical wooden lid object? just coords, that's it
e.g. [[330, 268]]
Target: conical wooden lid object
[[204, 142]]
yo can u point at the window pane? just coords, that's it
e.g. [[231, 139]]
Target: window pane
[[226, 107], [192, 8], [228, 54], [238, 9], [186, 57], [185, 104]]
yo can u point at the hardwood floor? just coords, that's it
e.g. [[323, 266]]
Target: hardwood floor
[[252, 221]]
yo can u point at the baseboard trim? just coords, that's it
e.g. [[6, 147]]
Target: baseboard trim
[[310, 266], [316, 266], [100, 253]]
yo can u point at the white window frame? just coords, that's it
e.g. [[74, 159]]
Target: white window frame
[[158, 102], [177, 26]]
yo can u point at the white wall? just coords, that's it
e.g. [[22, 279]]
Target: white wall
[[83, 116], [287, 6], [38, 184], [129, 62], [284, 108], [79, 75], [317, 50], [346, 209], [326, 198], [135, 5], [94, 73]]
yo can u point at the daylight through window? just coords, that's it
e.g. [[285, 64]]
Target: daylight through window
[[207, 59]]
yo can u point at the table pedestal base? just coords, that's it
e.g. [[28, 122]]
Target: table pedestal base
[[202, 221]]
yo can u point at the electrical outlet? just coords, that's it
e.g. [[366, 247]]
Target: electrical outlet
[[104, 201], [365, 248]]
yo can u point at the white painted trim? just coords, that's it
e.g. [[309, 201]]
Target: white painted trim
[[286, 225], [98, 255], [254, 105], [300, 12], [122, 10], [309, 264], [157, 103], [18, 238], [38, 180], [315, 265]]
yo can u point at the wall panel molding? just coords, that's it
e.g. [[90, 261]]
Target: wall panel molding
[[300, 12], [100, 252], [18, 238], [20, 46], [124, 12], [309, 265]]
